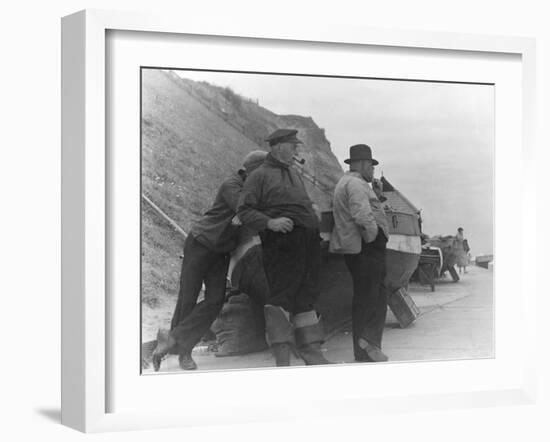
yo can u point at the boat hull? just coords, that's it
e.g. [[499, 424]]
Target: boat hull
[[334, 304], [402, 256]]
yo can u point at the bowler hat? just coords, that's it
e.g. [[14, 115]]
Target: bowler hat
[[360, 152], [283, 136]]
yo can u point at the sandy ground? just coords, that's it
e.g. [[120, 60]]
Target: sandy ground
[[456, 322]]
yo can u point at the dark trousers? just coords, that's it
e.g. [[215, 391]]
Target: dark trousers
[[191, 320], [369, 304], [291, 264]]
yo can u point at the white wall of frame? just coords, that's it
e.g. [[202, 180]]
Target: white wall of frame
[[30, 221]]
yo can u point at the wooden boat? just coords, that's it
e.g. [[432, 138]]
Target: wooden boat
[[404, 245], [483, 261]]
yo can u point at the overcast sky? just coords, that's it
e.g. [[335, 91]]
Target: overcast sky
[[434, 141]]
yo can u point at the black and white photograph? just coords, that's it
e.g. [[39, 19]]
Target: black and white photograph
[[305, 220], [275, 223]]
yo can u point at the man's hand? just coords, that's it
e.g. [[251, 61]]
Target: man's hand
[[281, 224]]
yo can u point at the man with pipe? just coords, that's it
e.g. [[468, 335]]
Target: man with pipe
[[275, 203]]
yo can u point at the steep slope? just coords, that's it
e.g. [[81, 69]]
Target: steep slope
[[256, 123], [194, 135]]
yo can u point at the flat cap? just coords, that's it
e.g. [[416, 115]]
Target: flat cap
[[283, 136]]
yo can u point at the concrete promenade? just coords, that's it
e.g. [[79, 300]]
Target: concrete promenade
[[456, 322]]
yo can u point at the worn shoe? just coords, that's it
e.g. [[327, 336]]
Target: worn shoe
[[362, 357], [165, 343], [372, 351], [187, 362], [312, 354], [282, 354]]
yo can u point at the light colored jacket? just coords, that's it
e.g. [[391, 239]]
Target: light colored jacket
[[357, 215]]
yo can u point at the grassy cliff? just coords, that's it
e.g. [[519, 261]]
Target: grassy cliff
[[194, 135]]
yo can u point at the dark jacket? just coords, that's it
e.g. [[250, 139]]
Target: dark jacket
[[215, 230], [273, 190]]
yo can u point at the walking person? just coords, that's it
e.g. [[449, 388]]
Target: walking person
[[361, 233], [275, 203], [463, 249], [205, 260]]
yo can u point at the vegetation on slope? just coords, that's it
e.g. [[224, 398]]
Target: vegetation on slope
[[194, 135]]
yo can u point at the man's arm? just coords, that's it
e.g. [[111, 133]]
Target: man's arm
[[248, 203], [248, 213], [360, 209], [231, 191]]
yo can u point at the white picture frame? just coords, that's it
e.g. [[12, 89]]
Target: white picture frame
[[86, 217]]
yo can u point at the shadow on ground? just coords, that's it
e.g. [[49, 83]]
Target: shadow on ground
[[51, 414]]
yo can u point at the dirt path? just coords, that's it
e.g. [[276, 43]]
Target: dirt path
[[456, 322]]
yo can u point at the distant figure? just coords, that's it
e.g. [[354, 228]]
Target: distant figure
[[462, 250]]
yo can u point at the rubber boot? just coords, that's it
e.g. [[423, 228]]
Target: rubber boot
[[309, 336], [186, 362], [279, 333], [282, 354], [312, 354], [165, 343]]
